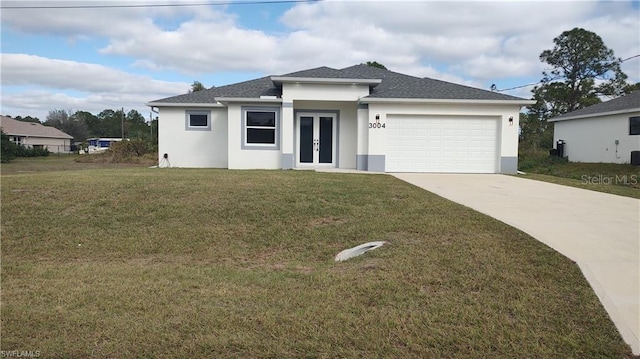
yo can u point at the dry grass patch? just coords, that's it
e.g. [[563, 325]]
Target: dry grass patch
[[239, 264]]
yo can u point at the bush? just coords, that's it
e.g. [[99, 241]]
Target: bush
[[539, 162], [32, 152], [8, 149], [125, 151], [136, 151]]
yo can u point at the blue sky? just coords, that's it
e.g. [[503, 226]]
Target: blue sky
[[93, 59]]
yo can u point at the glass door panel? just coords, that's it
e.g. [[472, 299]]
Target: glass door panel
[[326, 139], [306, 140]]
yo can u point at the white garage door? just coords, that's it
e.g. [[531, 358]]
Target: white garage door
[[442, 144]]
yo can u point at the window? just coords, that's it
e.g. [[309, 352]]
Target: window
[[634, 125], [198, 121], [260, 128]]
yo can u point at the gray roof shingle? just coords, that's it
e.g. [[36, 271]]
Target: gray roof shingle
[[393, 85], [396, 85], [247, 89], [627, 102], [319, 72]]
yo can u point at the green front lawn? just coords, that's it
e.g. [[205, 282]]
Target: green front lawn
[[157, 263], [613, 178]]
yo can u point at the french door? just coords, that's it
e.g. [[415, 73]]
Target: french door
[[315, 145]]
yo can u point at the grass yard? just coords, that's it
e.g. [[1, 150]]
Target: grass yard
[[618, 179], [157, 263], [63, 162]]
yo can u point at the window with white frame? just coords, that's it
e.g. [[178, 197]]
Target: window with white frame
[[260, 126], [198, 120]]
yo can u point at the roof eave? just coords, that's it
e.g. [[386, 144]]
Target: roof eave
[[268, 99], [598, 114], [324, 80], [183, 104], [37, 135], [445, 101]]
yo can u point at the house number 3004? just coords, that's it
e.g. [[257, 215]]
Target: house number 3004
[[377, 124]]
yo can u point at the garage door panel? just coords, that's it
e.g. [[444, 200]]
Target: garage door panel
[[436, 144]]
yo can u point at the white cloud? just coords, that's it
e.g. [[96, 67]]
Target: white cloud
[[474, 43], [198, 46], [98, 87]]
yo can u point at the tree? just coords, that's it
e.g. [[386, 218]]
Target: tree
[[629, 88], [197, 86], [578, 61], [8, 149], [111, 123], [68, 123], [376, 64], [582, 70], [136, 127], [27, 119], [91, 121]]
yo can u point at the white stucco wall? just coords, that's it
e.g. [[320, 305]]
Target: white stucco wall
[[593, 139], [54, 145], [507, 137], [323, 92], [250, 158], [184, 148]]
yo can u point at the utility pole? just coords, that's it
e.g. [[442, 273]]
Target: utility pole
[[122, 116], [150, 128]]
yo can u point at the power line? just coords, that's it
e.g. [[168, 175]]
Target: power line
[[495, 89], [211, 3]]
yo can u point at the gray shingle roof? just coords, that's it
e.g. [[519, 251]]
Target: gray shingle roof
[[628, 102], [249, 89], [397, 85], [394, 85], [319, 72]]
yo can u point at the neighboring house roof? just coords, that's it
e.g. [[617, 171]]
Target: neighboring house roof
[[624, 104], [30, 129], [385, 85]]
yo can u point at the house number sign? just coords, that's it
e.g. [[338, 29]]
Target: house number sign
[[377, 124]]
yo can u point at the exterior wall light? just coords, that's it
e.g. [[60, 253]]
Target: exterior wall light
[[510, 120]]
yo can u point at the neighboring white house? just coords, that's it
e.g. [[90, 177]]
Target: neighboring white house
[[36, 135], [360, 117], [605, 132]]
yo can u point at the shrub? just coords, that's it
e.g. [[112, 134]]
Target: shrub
[[8, 149], [23, 151], [124, 151], [538, 161]]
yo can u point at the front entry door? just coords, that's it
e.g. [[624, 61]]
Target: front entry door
[[316, 140]]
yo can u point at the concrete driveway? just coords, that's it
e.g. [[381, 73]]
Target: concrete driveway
[[600, 232]]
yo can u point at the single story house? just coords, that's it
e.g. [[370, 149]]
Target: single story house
[[36, 135], [606, 132], [359, 117], [101, 144]]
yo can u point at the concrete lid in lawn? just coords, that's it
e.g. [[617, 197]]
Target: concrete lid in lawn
[[599, 231]]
